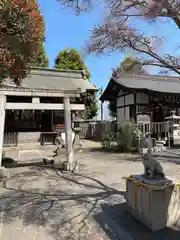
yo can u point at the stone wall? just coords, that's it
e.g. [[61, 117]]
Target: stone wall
[[29, 137], [13, 139]]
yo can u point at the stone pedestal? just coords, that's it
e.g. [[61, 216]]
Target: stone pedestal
[[77, 143], [155, 203]]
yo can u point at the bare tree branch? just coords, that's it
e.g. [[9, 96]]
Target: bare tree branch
[[117, 33], [119, 36]]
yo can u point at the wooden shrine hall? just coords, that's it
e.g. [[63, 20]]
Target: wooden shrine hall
[[135, 94]]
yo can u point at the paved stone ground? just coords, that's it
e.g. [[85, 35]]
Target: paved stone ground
[[38, 203], [33, 151]]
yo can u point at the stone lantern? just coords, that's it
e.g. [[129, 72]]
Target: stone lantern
[[174, 128]]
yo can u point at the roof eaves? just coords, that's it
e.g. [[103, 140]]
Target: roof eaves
[[152, 88], [148, 77], [77, 74], [101, 98], [56, 70]]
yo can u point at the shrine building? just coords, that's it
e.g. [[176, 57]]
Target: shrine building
[[135, 94]]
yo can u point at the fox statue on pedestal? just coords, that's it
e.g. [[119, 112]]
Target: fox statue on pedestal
[[152, 168]]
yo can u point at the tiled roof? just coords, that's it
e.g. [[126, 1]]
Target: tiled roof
[[154, 83], [55, 79]]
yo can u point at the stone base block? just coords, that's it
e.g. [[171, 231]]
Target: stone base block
[[77, 146], [66, 166], [155, 203], [72, 168]]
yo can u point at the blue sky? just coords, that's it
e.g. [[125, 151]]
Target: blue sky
[[65, 29]]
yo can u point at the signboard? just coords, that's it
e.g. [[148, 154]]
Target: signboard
[[143, 117]]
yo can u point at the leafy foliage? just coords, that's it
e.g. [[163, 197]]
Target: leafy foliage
[[41, 59], [90, 101], [21, 35], [126, 138], [121, 137], [107, 142], [130, 65], [112, 109], [71, 59]]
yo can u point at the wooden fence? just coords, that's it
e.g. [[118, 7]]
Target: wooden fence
[[10, 139], [98, 130]]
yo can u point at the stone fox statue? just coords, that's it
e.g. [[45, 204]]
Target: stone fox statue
[[152, 167]]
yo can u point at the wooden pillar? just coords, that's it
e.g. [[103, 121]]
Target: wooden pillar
[[68, 132], [2, 122], [52, 119]]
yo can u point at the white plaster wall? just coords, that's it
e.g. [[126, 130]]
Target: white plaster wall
[[142, 98], [120, 101], [120, 115], [127, 114], [123, 115], [129, 99]]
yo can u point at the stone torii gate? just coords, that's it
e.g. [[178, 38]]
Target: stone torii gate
[[36, 105]]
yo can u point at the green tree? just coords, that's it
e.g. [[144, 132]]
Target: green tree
[[41, 60], [129, 65], [112, 108], [71, 59], [90, 101], [21, 35]]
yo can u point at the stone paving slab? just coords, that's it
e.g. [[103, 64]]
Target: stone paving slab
[[15, 230], [66, 206], [25, 154]]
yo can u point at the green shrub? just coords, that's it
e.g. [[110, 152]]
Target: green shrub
[[107, 141], [126, 138]]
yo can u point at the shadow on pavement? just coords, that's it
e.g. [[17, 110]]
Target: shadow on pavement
[[119, 224], [61, 204]]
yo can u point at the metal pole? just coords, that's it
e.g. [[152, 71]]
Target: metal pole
[[101, 111], [101, 90]]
